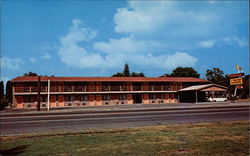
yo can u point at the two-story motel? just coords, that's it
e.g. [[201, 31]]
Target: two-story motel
[[81, 91]]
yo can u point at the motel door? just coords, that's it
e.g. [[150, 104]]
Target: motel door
[[137, 98]]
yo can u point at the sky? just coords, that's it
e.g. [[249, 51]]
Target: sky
[[96, 38]]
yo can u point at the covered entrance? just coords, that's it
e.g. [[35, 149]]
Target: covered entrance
[[203, 93], [137, 98]]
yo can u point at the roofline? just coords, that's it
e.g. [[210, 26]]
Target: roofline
[[115, 79], [208, 85]]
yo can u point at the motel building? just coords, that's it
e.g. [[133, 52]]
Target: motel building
[[96, 91]]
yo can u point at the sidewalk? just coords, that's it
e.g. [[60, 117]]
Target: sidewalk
[[128, 107]]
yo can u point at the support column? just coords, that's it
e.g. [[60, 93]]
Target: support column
[[196, 97]]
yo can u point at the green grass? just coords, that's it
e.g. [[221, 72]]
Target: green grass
[[217, 138]]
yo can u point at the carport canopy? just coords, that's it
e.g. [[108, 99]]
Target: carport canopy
[[204, 88]]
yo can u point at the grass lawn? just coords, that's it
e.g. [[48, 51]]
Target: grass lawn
[[217, 138]]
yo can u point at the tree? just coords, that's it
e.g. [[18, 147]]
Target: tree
[[184, 72], [30, 74], [8, 95], [126, 71], [1, 92], [118, 74], [165, 75], [217, 76], [137, 74], [3, 102]]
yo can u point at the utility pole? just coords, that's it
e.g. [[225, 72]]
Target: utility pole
[[38, 93], [48, 94]]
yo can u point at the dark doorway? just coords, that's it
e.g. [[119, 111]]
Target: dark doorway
[[137, 98]]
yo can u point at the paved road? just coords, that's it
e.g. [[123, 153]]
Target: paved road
[[77, 120]]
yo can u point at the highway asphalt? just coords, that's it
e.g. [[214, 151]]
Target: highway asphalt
[[20, 123]]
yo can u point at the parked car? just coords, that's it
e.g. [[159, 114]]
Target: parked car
[[210, 99]]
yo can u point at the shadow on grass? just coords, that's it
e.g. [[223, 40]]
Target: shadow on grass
[[13, 151]]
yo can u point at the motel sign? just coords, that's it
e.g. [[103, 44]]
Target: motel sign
[[236, 81]]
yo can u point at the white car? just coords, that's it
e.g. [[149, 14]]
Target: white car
[[216, 99]]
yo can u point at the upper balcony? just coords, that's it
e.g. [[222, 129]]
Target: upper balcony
[[82, 89]]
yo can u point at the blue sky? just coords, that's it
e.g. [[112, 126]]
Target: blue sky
[[96, 38]]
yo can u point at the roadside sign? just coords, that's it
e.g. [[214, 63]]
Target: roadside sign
[[236, 75], [236, 81]]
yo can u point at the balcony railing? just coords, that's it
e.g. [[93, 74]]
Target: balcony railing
[[92, 89]]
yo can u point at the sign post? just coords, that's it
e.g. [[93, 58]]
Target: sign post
[[236, 79], [48, 94]]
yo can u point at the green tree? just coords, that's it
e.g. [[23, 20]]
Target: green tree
[[217, 76], [8, 95], [118, 74], [133, 74], [3, 102], [1, 91], [165, 75], [30, 74], [126, 71], [184, 72]]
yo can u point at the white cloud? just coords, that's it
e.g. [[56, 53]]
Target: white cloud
[[117, 52], [235, 40], [164, 61], [11, 63], [162, 18], [211, 1], [77, 33], [181, 59], [207, 44], [127, 45], [32, 59], [72, 54], [46, 56], [223, 40]]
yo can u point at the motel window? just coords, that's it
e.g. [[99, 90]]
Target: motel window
[[122, 97], [26, 99], [150, 96], [43, 98], [68, 98], [84, 98], [105, 97]]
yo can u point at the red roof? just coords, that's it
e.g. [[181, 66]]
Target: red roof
[[114, 79]]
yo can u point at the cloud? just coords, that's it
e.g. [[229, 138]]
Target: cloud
[[116, 52], [224, 40], [235, 40], [127, 45], [169, 61], [11, 63], [211, 1], [46, 56], [72, 54], [181, 59], [164, 18], [77, 33], [207, 44], [32, 59]]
